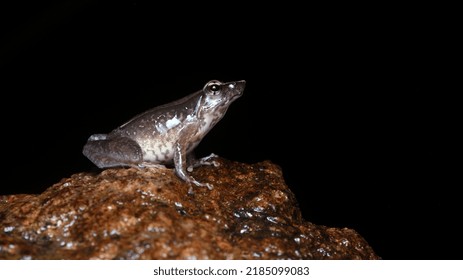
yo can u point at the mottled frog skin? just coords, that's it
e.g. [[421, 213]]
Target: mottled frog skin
[[166, 134]]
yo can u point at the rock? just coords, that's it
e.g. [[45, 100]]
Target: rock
[[148, 214]]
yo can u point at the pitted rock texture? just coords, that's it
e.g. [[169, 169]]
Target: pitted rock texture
[[148, 214]]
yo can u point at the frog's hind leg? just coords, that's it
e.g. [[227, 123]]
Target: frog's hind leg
[[193, 162], [107, 152]]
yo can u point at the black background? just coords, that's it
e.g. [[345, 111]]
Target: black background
[[344, 102]]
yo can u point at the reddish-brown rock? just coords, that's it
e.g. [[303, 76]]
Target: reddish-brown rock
[[148, 214]]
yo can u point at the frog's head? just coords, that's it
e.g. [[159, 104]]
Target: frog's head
[[214, 101], [217, 96]]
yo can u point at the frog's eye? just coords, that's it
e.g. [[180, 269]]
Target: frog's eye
[[213, 87]]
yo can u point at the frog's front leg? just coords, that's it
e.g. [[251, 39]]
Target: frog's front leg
[[110, 151], [180, 161]]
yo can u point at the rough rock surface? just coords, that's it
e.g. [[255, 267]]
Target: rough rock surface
[[148, 214]]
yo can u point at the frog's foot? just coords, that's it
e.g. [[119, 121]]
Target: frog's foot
[[204, 161], [207, 160], [199, 184]]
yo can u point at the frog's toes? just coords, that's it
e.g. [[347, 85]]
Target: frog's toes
[[207, 185], [209, 160], [199, 184]]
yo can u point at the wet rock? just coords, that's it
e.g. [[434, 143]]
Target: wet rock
[[149, 214]]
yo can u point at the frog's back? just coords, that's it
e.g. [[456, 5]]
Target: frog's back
[[158, 120]]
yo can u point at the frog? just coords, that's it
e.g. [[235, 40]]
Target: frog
[[167, 134]]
